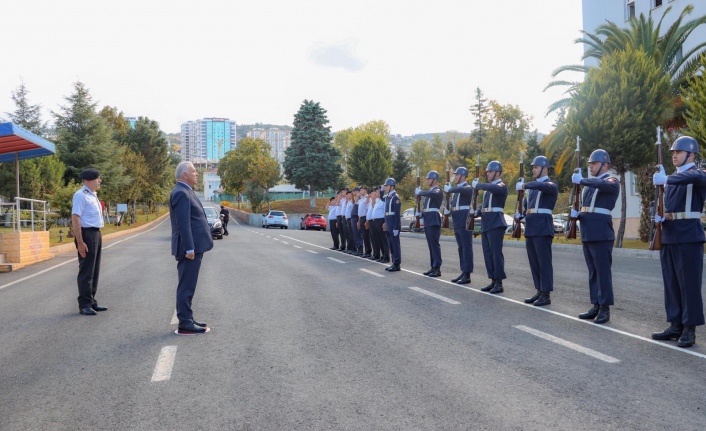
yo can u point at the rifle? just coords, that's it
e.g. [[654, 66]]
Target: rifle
[[656, 240], [471, 219], [417, 224], [445, 223], [575, 196], [516, 224]]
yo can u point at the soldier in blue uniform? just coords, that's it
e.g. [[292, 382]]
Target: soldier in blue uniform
[[597, 235], [392, 223], [683, 239], [539, 229], [493, 225], [461, 197], [433, 199]]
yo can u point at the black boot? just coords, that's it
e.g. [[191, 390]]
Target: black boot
[[590, 314], [498, 287], [543, 300], [428, 271], [435, 273], [489, 287], [688, 337], [672, 333], [533, 298], [454, 280], [465, 279], [603, 314]]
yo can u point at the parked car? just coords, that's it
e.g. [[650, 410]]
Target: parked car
[[313, 221], [563, 219], [508, 221], [214, 222], [409, 221], [275, 219]]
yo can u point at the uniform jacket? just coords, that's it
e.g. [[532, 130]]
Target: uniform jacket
[[675, 197], [537, 224], [494, 197], [190, 229], [595, 226], [432, 200], [392, 205]]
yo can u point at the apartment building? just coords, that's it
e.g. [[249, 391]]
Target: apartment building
[[207, 140]]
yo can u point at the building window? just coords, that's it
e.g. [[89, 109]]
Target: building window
[[656, 3], [630, 12]]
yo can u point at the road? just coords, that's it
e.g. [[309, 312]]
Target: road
[[305, 338]]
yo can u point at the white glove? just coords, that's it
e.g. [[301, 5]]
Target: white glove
[[659, 178], [395, 232], [518, 216], [446, 211], [447, 187], [576, 177], [658, 218], [417, 190], [574, 213], [519, 184], [417, 214], [474, 183]]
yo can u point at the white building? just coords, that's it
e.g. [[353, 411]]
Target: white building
[[207, 140], [211, 184], [278, 139]]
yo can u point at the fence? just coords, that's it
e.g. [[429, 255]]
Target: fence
[[24, 213], [276, 196]]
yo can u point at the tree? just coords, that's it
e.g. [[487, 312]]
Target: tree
[[420, 155], [696, 105], [311, 160], [479, 110], [248, 167], [617, 108], [343, 142], [370, 161], [400, 166], [507, 127], [149, 141]]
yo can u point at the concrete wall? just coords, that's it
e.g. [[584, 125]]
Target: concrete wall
[[23, 248]]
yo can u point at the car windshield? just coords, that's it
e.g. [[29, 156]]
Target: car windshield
[[277, 213], [316, 216], [210, 212]]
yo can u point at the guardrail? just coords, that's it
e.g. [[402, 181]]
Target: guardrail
[[24, 213]]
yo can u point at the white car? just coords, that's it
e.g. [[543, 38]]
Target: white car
[[275, 219], [409, 220]]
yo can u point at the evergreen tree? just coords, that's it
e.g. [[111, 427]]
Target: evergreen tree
[[311, 160], [479, 110], [370, 161], [149, 141], [400, 167], [696, 106]]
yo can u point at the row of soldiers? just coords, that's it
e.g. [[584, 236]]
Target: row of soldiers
[[368, 225]]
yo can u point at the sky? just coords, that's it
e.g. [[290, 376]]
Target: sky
[[414, 64]]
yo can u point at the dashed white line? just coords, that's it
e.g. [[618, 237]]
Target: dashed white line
[[276, 239], [434, 295], [296, 246], [165, 363], [285, 242], [335, 260], [313, 252], [175, 319], [371, 272], [569, 344]]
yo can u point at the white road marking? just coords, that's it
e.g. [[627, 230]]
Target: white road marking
[[175, 319], [313, 252], [165, 363], [276, 239], [296, 246], [285, 242], [371, 272], [569, 344], [434, 295], [335, 260]]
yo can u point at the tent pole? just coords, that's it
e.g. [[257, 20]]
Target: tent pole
[[17, 173]]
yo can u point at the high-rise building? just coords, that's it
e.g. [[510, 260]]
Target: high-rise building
[[278, 139], [132, 121], [207, 140]]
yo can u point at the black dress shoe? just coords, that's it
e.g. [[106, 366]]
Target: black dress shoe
[[384, 260], [366, 256], [374, 258], [428, 271], [334, 248], [590, 314], [465, 279], [603, 315], [688, 337], [533, 298], [498, 287], [672, 333], [191, 327], [201, 324], [454, 280], [489, 287], [88, 311], [543, 300], [394, 268], [435, 273], [100, 308]]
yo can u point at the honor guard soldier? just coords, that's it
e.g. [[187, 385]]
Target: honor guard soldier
[[392, 223], [597, 235], [493, 225], [683, 239], [461, 197], [539, 228], [433, 199]]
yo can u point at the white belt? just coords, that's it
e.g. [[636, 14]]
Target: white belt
[[492, 210], [430, 209], [390, 213], [682, 215], [539, 211], [463, 207], [595, 210]]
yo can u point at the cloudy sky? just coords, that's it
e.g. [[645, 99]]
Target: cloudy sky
[[414, 64]]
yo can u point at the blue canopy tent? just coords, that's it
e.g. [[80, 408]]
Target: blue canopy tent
[[18, 144]]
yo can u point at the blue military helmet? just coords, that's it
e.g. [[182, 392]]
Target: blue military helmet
[[685, 143], [461, 171], [433, 175], [599, 156], [390, 182], [494, 166], [541, 161]]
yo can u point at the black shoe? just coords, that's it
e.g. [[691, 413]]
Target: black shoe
[[454, 280], [489, 287], [498, 287], [384, 260], [672, 333], [88, 311], [191, 327], [393, 268], [688, 337], [435, 273], [465, 279], [334, 248], [100, 308], [543, 300], [201, 324], [428, 271], [533, 298], [603, 315], [590, 314], [374, 258], [366, 256]]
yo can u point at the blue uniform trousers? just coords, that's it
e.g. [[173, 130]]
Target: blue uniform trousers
[[464, 240], [188, 270], [342, 231], [493, 253], [366, 235], [350, 242], [334, 232], [433, 233], [357, 237], [393, 243], [539, 253], [682, 268], [599, 259]]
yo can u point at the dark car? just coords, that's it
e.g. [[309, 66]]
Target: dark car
[[313, 221], [214, 222]]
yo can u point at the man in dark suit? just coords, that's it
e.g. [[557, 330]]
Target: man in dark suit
[[191, 238]]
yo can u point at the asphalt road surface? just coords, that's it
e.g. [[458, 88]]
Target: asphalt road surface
[[305, 338]]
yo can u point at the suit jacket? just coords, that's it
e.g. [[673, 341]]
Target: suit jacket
[[190, 229]]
